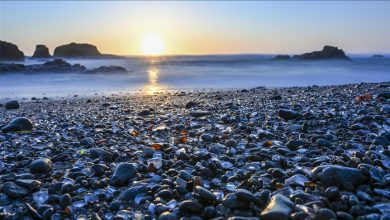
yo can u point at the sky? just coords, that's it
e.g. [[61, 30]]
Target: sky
[[199, 27]]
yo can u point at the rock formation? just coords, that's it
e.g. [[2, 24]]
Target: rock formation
[[9, 51], [41, 51], [58, 66], [107, 69], [281, 57], [77, 50], [377, 56], [328, 52], [11, 67]]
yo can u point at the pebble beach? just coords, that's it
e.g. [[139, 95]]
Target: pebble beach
[[315, 152]]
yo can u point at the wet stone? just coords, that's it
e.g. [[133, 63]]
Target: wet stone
[[358, 210], [294, 144], [381, 141], [42, 165], [30, 184], [67, 188], [123, 173], [231, 143], [191, 207], [325, 214], [323, 143], [204, 194], [12, 105], [190, 104], [206, 138], [382, 192], [288, 114], [209, 212], [245, 195], [167, 216], [99, 153], [165, 194], [375, 174], [18, 124], [14, 191], [48, 213], [279, 208], [296, 180], [185, 175], [384, 95], [344, 216], [130, 193], [144, 113], [217, 149], [65, 200], [87, 142], [231, 201], [338, 176], [99, 169], [332, 192], [198, 114]]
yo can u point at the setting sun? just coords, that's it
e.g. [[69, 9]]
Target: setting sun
[[152, 44]]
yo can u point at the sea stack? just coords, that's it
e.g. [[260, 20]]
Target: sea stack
[[41, 51], [328, 52], [9, 51], [77, 50]]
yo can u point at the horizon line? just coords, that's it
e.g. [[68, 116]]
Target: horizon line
[[225, 54]]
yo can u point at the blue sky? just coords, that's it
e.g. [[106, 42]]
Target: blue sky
[[201, 27]]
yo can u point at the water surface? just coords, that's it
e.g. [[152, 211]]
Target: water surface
[[149, 75]]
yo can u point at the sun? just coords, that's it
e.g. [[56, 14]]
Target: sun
[[152, 44]]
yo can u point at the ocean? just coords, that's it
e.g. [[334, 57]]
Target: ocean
[[151, 75]]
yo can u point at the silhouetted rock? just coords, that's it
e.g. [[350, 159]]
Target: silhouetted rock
[[328, 52], [281, 57], [9, 51], [377, 56], [56, 62], [107, 69], [12, 67], [56, 65], [41, 51], [76, 50]]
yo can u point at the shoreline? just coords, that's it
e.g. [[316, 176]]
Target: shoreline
[[140, 92]]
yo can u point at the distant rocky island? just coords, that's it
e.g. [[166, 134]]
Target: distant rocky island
[[57, 66], [41, 51], [77, 50], [377, 56], [327, 53], [11, 52]]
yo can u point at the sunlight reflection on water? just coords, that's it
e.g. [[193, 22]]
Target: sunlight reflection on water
[[153, 87]]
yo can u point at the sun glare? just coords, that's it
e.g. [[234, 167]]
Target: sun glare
[[152, 44]]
